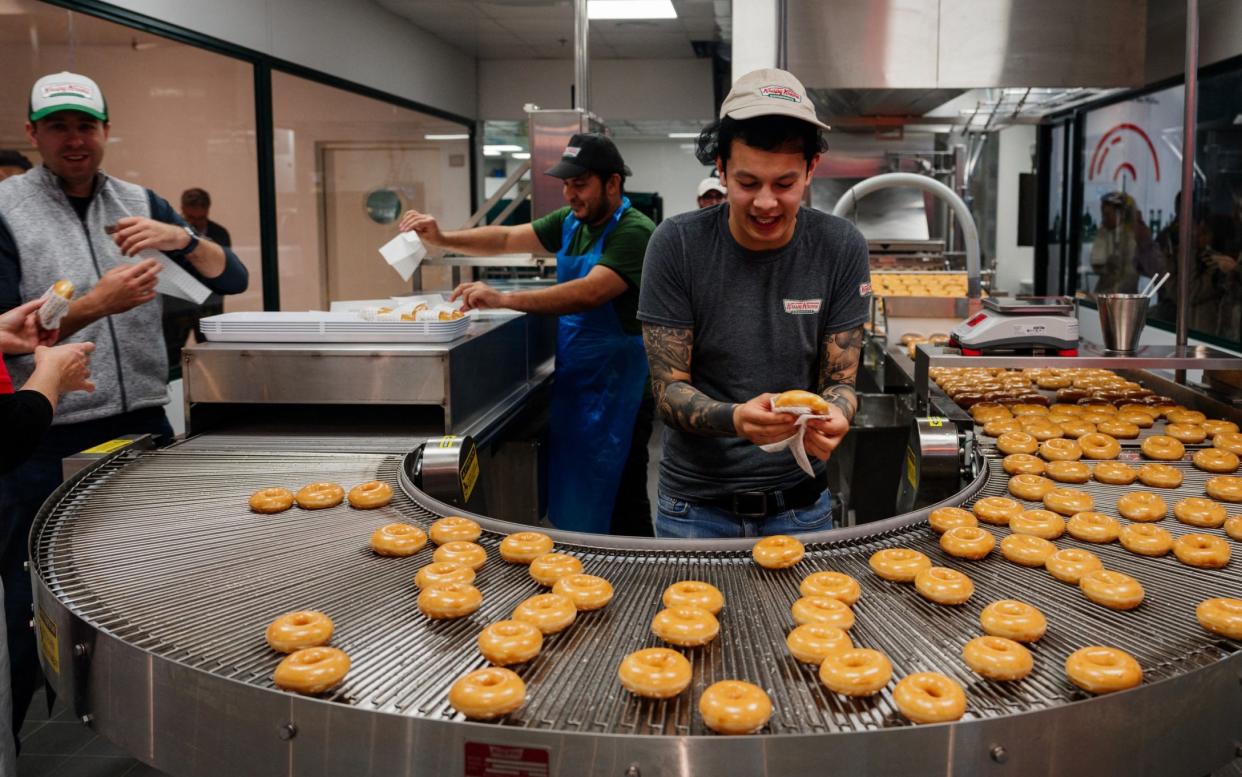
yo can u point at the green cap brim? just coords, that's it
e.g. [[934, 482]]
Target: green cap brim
[[48, 111]]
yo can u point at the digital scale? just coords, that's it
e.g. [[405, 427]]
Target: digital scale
[[1019, 325]]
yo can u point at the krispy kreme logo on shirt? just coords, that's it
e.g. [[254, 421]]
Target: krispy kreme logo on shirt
[[864, 289], [802, 307], [780, 93]]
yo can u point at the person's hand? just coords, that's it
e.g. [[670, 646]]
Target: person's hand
[[20, 331], [424, 225], [134, 234], [755, 421], [1224, 262], [477, 295], [125, 287], [824, 435], [70, 364]]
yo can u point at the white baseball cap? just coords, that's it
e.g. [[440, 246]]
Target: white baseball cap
[[66, 91], [769, 92], [711, 184]]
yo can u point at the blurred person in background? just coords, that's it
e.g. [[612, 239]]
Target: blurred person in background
[[1113, 252]]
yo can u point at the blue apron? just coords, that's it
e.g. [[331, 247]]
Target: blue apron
[[601, 373]]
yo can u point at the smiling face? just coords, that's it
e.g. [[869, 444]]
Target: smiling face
[[590, 199], [765, 190], [72, 146]]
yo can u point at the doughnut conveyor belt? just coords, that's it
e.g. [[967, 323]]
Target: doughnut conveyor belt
[[154, 584]]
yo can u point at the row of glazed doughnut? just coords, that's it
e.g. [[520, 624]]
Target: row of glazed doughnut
[[319, 496]]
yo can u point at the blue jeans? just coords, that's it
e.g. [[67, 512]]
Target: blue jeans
[[689, 520]]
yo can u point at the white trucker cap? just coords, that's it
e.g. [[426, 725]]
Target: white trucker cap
[[66, 91], [711, 184], [769, 92]]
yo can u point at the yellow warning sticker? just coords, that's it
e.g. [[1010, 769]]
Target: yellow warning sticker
[[447, 440], [935, 423], [49, 644], [469, 474], [912, 472], [109, 446]]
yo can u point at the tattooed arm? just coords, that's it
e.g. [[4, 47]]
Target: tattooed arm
[[681, 405], [838, 367]]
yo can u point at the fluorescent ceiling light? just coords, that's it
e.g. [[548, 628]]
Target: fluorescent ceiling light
[[676, 135], [521, 155], [462, 136], [490, 153], [500, 148], [630, 9]]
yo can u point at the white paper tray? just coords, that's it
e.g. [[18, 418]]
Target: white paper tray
[[326, 328]]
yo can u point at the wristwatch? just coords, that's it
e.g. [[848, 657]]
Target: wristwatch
[[190, 246]]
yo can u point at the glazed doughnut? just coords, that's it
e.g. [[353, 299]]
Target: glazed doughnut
[[1060, 450], [488, 693], [800, 402], [1068, 501], [1226, 488], [1229, 441], [398, 539], [299, 630], [1201, 550], [1027, 549], [929, 697], [1069, 471], [983, 412], [461, 552], [1099, 669], [1062, 408], [1023, 464], [1049, 381], [899, 564], [1030, 487], [444, 601], [587, 592], [550, 567], [856, 672], [685, 626], [510, 642], [811, 643], [1017, 442], [1186, 433], [968, 542], [1200, 512], [777, 552], [1140, 418], [1111, 589], [550, 613], [1041, 429], [1012, 619], [694, 593], [443, 572], [735, 707], [655, 673], [996, 510], [1160, 476], [1027, 409], [1163, 448], [1122, 430], [311, 670], [454, 528], [1096, 418], [944, 518], [1044, 524], [1142, 506], [271, 500], [943, 585], [1093, 527], [1097, 445], [1214, 427], [1233, 527], [836, 585], [1074, 428], [1069, 564], [1184, 416], [822, 609], [524, 547], [1221, 616], [370, 495], [998, 426], [1114, 473], [1215, 460], [998, 658], [1145, 539], [319, 496]]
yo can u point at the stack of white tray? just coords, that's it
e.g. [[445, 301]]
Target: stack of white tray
[[318, 327]]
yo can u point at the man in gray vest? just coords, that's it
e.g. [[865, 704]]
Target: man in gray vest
[[68, 220]]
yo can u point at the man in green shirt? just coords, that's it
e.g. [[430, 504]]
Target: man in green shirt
[[601, 403]]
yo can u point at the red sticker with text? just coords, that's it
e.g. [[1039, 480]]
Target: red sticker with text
[[483, 760]]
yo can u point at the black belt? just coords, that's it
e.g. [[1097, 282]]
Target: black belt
[[754, 504]]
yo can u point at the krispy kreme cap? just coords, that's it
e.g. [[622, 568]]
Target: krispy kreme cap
[[66, 91], [769, 92], [711, 184]]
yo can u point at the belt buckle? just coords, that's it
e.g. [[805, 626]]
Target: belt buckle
[[746, 499]]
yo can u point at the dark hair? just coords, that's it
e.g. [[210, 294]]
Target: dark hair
[[195, 198], [603, 179], [9, 158], [766, 133]]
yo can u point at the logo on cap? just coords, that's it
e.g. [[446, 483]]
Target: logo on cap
[[66, 90], [780, 93], [570, 152]]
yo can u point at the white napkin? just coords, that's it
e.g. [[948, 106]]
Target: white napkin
[[404, 253], [795, 443], [175, 281]]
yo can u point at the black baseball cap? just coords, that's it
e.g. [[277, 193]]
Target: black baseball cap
[[589, 153]]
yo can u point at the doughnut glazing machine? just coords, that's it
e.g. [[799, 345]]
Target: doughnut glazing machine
[[154, 584]]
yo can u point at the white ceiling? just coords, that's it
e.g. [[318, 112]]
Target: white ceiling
[[531, 29]]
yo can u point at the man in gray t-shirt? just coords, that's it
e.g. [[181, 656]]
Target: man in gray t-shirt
[[744, 300]]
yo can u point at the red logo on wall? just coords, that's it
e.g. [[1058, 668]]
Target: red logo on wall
[[1117, 138]]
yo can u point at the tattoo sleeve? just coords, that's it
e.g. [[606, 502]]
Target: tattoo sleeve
[[838, 366], [680, 404]]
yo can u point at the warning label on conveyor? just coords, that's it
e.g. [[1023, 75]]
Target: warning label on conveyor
[[49, 644], [483, 760]]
